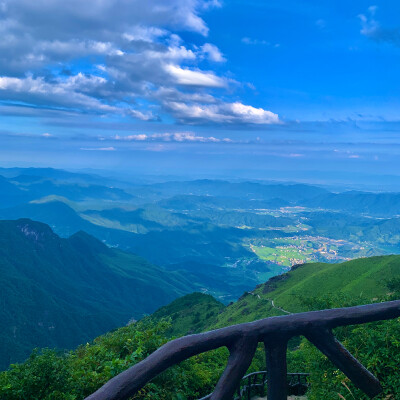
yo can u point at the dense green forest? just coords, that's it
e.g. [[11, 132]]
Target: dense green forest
[[63, 292], [73, 375]]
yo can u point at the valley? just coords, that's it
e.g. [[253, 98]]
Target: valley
[[168, 239], [227, 236]]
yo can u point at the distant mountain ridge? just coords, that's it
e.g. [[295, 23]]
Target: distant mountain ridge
[[225, 236], [174, 248], [240, 190], [26, 184], [32, 184], [379, 204]]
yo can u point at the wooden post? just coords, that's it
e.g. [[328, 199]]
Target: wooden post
[[327, 344], [241, 355], [275, 354]]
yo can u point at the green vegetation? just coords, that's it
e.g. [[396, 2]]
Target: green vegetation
[[298, 249], [364, 279], [62, 292], [286, 256], [74, 375], [142, 220], [189, 314], [49, 375], [217, 237], [199, 250], [52, 375], [375, 345]]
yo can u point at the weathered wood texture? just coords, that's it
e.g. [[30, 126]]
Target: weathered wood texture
[[275, 354], [241, 340]]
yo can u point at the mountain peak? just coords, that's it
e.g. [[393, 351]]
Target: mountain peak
[[33, 230], [85, 242]]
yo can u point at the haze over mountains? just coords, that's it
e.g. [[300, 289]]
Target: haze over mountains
[[81, 254]]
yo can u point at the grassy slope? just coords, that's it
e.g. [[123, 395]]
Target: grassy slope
[[198, 312], [190, 313], [364, 278]]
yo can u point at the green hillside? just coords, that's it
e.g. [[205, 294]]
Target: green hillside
[[200, 250], [62, 292], [189, 314], [363, 278], [72, 376], [360, 281]]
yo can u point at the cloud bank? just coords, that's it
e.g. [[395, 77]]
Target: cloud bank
[[117, 57], [179, 137]]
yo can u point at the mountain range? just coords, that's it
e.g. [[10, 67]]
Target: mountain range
[[85, 248], [59, 292]]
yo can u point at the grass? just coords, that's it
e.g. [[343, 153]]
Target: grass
[[190, 313], [286, 256], [363, 278]]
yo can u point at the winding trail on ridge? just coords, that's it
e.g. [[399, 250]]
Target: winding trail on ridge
[[278, 308]]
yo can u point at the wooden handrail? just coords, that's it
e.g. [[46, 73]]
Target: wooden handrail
[[242, 340]]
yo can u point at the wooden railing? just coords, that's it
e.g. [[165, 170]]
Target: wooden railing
[[242, 340]]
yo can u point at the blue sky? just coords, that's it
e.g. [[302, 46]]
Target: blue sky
[[293, 90]]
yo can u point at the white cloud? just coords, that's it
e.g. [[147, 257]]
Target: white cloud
[[68, 93], [144, 33], [211, 4], [74, 47], [171, 137], [295, 155], [173, 53], [98, 148], [255, 42], [369, 26], [231, 113], [167, 95], [247, 40], [253, 115], [372, 29], [145, 69], [185, 76], [129, 138], [187, 137], [213, 52], [143, 116]]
